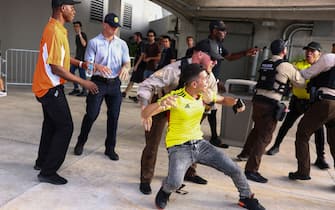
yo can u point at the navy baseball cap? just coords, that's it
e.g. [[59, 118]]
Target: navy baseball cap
[[58, 3], [112, 20], [277, 46], [207, 47]]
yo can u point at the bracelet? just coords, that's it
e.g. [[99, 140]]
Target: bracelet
[[80, 64]]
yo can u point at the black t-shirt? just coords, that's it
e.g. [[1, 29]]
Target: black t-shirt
[[140, 47], [189, 52], [166, 57], [223, 52], [80, 49]]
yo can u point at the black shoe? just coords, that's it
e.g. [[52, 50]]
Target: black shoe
[[82, 94], [74, 92], [296, 175], [53, 179], [123, 94], [37, 167], [78, 149], [134, 98], [112, 155], [250, 203], [195, 179], [145, 188], [255, 176], [242, 157], [217, 142], [321, 163], [162, 198], [273, 150]]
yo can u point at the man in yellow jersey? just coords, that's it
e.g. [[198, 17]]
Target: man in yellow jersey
[[184, 138], [52, 69], [299, 104]]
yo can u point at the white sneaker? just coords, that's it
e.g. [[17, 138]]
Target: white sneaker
[[3, 94]]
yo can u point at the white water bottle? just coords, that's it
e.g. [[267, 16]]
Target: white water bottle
[[90, 67]]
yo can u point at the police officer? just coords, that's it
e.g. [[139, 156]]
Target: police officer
[[299, 104], [321, 112], [273, 83]]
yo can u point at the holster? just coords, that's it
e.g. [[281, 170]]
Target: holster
[[280, 111], [314, 95]]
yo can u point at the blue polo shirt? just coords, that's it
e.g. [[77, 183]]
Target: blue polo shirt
[[112, 54]]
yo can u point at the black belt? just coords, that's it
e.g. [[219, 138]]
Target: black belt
[[192, 142], [261, 98], [105, 80], [326, 96]]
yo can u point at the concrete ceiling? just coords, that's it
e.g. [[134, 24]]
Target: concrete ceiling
[[251, 9]]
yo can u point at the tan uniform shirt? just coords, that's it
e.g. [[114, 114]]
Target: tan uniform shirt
[[164, 81], [285, 72], [325, 63]]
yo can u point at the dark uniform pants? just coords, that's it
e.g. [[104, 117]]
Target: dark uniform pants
[[297, 108], [261, 134], [320, 113]]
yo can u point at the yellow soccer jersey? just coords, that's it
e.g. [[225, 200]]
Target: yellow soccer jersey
[[301, 93], [184, 119]]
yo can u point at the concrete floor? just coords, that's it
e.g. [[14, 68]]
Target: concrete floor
[[95, 182]]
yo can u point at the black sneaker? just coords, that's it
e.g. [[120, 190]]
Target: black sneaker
[[321, 163], [74, 92], [37, 167], [145, 188], [273, 150], [162, 198], [250, 203], [124, 94], [112, 155], [255, 176], [195, 179], [53, 179], [217, 142], [134, 98], [296, 175], [78, 149]]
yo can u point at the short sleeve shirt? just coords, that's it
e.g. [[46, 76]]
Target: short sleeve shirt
[[152, 50], [55, 50], [184, 118], [112, 54]]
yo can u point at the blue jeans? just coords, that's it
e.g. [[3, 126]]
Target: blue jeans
[[82, 74], [147, 73], [110, 91], [201, 151]]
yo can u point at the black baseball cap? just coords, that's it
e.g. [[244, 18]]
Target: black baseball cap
[[217, 24], [209, 48], [313, 46], [277, 46], [112, 20], [58, 3]]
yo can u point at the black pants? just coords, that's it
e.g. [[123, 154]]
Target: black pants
[[297, 108], [57, 131]]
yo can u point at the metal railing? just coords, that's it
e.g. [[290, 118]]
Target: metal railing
[[20, 66]]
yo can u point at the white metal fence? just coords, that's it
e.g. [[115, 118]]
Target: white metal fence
[[20, 66]]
